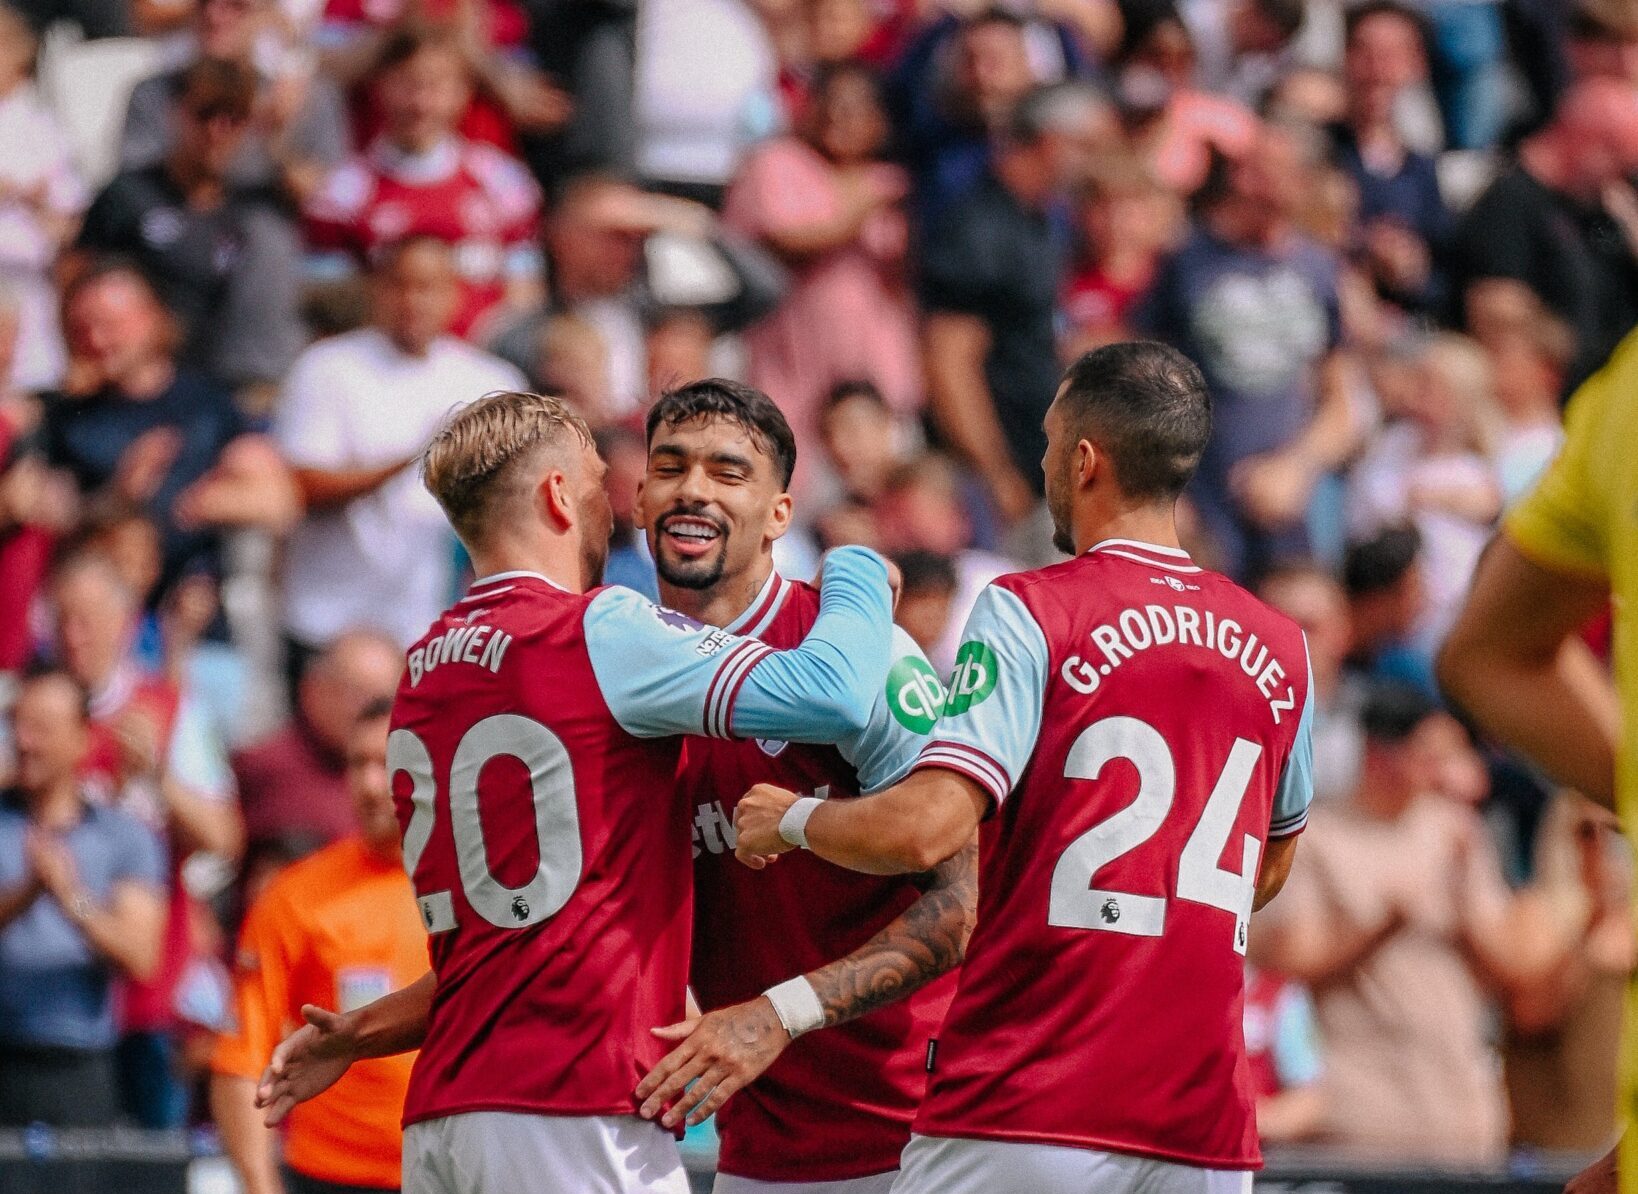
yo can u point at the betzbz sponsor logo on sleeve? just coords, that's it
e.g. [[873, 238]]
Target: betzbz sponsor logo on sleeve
[[973, 678], [915, 695]]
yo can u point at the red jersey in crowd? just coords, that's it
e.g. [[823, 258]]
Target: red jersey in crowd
[[559, 914], [1143, 728], [837, 1104], [473, 196]]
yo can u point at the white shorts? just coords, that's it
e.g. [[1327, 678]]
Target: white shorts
[[876, 1183], [944, 1165], [503, 1152]]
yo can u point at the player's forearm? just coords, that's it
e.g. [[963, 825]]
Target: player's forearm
[[912, 827], [395, 1023], [247, 1141], [927, 940], [1312, 952], [824, 689]]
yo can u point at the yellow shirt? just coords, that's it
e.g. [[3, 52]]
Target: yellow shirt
[[1583, 518]]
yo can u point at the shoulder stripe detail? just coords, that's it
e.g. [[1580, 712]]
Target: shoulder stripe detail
[[964, 765], [970, 759], [725, 685], [739, 683], [1289, 830]]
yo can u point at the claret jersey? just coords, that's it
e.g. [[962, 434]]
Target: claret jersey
[[837, 1104], [533, 760], [1143, 728]]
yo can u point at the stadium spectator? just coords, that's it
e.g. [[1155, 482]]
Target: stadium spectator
[[1242, 47], [298, 130], [1127, 220], [337, 929], [921, 510], [1311, 597], [133, 428], [420, 177], [223, 256], [927, 598], [992, 270], [1432, 466], [81, 904], [828, 206], [1175, 125], [1404, 224], [1561, 219], [29, 517], [292, 784], [693, 125], [630, 264], [1386, 582], [1400, 922], [954, 91], [41, 198], [1256, 304], [1532, 353], [862, 441], [152, 755], [355, 412]]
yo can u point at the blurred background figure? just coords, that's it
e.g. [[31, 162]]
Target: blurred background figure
[[82, 904], [338, 930]]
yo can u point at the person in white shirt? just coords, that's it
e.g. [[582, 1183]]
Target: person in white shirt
[[355, 412]]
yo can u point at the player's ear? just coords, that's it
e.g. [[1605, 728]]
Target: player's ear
[[779, 517], [554, 492], [1088, 460]]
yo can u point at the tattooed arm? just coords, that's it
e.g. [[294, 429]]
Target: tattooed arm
[[729, 1048]]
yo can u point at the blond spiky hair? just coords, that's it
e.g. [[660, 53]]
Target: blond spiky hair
[[469, 463]]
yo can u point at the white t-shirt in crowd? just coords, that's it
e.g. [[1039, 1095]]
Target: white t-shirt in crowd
[[386, 559]]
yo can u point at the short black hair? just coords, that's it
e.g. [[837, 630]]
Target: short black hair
[[374, 710], [926, 572], [745, 406], [1146, 404], [1394, 710], [1361, 13], [1377, 564]]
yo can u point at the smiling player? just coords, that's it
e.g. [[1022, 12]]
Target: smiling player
[[854, 955]]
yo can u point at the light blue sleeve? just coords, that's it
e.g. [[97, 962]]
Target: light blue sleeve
[[195, 758], [1296, 1044], [906, 710], [992, 710], [1296, 790], [663, 673]]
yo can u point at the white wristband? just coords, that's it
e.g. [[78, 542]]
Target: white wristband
[[797, 1005], [793, 826]]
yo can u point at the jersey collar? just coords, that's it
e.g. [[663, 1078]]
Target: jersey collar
[[759, 615], [487, 583], [1173, 559]]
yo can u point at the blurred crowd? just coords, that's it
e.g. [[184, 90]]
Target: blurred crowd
[[252, 251]]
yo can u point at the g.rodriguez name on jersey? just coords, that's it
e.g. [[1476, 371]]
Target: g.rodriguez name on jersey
[[1138, 629]]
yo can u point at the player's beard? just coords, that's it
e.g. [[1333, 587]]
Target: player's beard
[[598, 520], [1061, 537], [698, 574]]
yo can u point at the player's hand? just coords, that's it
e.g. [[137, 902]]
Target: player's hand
[[1597, 1178], [720, 1052], [307, 1063], [756, 825]]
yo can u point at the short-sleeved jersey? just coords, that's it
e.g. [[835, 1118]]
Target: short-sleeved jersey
[[1143, 728], [471, 195], [837, 1104], [545, 835], [337, 929], [1582, 517]]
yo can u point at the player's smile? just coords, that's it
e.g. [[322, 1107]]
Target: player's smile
[[693, 535]]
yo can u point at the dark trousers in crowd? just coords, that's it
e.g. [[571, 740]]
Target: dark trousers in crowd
[[300, 1183], [66, 1088]]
